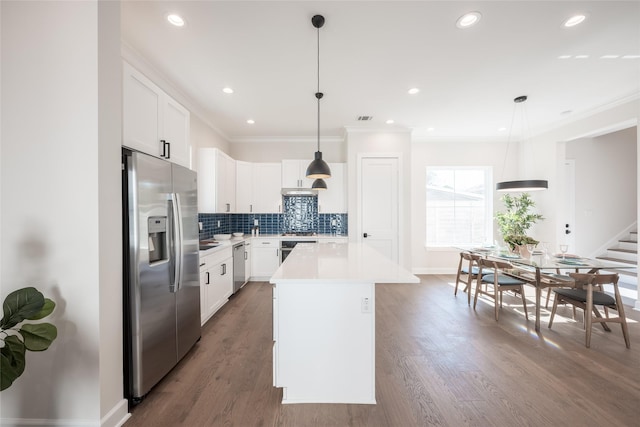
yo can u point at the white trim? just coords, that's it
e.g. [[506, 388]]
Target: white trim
[[117, 416], [366, 129], [614, 240]]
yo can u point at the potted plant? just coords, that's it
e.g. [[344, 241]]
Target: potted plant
[[17, 337], [516, 220]]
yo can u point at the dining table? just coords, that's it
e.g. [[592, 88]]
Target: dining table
[[542, 270]]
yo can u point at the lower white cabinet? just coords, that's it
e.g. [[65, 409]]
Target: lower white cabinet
[[216, 282], [265, 258], [247, 260]]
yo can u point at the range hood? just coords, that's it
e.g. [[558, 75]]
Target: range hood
[[299, 192]]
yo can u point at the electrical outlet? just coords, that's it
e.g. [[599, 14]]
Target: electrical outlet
[[218, 223], [366, 305], [255, 222], [199, 226]]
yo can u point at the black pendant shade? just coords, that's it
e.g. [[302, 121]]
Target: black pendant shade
[[318, 169], [319, 184], [525, 185]]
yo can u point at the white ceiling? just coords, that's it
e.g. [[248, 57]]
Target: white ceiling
[[372, 52]]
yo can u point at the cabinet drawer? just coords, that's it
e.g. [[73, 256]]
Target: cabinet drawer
[[265, 243], [210, 260]]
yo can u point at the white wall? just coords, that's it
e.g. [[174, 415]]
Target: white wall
[[605, 190], [60, 201], [275, 150], [451, 153]]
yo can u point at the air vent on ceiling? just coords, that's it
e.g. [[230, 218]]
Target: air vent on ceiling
[[365, 118]]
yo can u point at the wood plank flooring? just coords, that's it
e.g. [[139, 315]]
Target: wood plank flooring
[[438, 362]]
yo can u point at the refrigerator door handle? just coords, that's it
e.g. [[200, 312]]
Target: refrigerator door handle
[[177, 242]]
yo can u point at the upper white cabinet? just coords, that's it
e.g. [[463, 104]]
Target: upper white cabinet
[[294, 174], [334, 198], [266, 188], [244, 187], [216, 181], [153, 122]]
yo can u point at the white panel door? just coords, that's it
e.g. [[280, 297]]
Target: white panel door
[[568, 208], [244, 187], [379, 204]]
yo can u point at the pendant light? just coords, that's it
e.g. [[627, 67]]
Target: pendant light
[[318, 169], [319, 184], [521, 185]]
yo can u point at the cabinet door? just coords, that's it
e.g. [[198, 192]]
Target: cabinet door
[[221, 287], [207, 180], [176, 132], [265, 258], [267, 186], [205, 282], [225, 170], [141, 112], [334, 198], [244, 187], [293, 174]]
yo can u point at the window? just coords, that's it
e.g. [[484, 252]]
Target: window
[[459, 206]]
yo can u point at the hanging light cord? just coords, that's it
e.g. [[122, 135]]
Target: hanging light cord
[[318, 93], [506, 153]]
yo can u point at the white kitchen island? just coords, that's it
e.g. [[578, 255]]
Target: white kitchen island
[[324, 321]]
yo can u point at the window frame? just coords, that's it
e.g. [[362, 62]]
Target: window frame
[[488, 208]]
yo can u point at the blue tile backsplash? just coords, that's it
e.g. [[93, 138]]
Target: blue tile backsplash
[[300, 215]]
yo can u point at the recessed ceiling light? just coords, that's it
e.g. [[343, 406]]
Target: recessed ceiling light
[[564, 56], [630, 56], [574, 20], [251, 121], [581, 56], [468, 20], [175, 20], [609, 56], [413, 91], [430, 129], [227, 90], [389, 122], [502, 129]]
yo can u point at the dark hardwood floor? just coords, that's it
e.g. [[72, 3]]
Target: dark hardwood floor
[[438, 362]]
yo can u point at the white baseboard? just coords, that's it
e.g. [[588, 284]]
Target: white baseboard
[[117, 416]]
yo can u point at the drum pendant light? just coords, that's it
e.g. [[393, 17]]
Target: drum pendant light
[[318, 169], [521, 185]]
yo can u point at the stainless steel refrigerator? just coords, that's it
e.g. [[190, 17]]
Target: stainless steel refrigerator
[[161, 270]]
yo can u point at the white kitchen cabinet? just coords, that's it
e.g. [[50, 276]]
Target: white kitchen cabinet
[[152, 121], [334, 198], [294, 174], [216, 282], [244, 187], [266, 188], [216, 181], [265, 258]]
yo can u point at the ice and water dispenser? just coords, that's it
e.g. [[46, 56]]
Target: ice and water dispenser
[[157, 226]]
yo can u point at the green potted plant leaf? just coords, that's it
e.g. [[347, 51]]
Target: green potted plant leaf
[[517, 219], [18, 337]]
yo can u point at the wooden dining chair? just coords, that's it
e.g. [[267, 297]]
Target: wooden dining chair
[[586, 296], [498, 283], [467, 272]]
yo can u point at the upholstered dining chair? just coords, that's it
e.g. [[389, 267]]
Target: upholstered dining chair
[[586, 297], [467, 272], [498, 283]]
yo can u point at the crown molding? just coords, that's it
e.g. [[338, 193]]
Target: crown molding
[[364, 129], [287, 139]]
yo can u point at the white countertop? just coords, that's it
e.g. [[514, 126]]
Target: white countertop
[[340, 263], [247, 238]]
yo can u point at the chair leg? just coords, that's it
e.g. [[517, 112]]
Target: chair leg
[[496, 294], [524, 302], [599, 316], [546, 304], [475, 298], [470, 288], [553, 311]]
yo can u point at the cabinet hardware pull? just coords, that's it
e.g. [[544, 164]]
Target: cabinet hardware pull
[[250, 208], [246, 255], [168, 150], [164, 148], [224, 269], [207, 278]]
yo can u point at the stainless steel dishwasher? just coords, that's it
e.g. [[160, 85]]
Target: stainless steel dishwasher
[[238, 267]]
